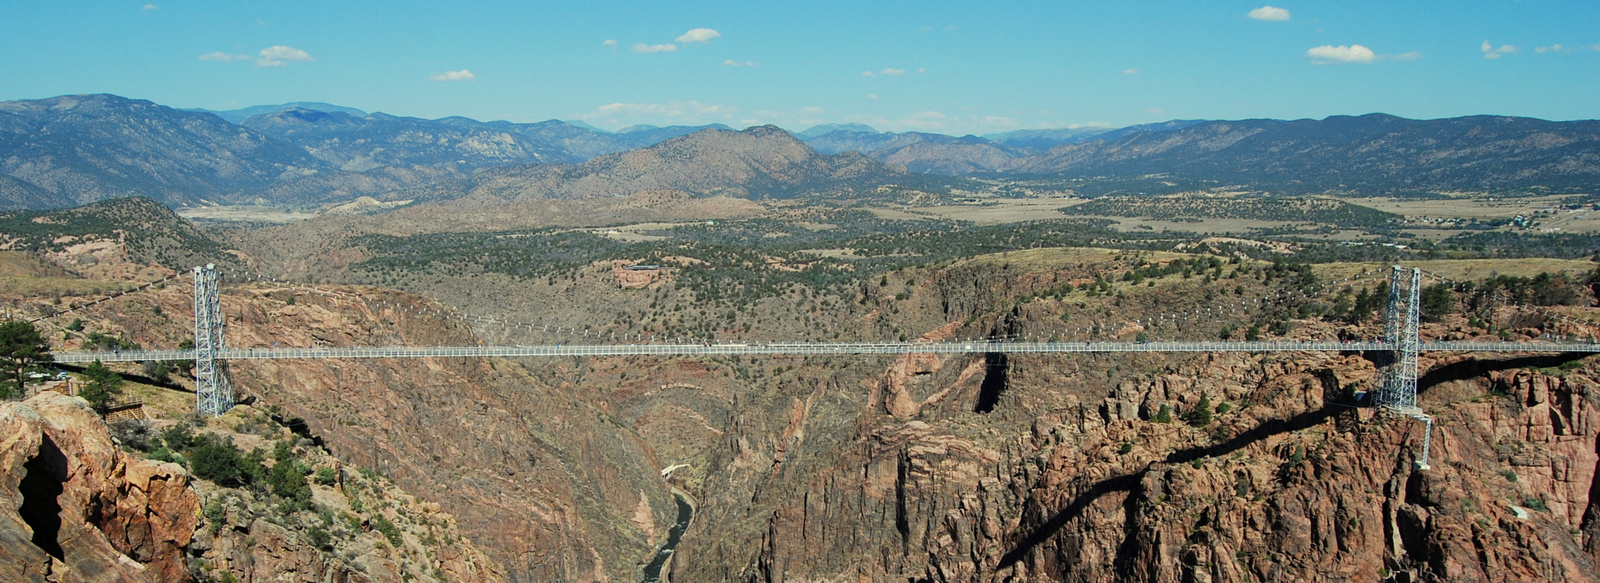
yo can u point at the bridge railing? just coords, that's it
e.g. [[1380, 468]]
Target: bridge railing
[[550, 350]]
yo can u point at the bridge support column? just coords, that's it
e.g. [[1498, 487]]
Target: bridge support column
[[213, 394], [1400, 323]]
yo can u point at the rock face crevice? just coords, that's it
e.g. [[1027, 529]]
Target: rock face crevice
[[40, 487], [994, 382], [1591, 515], [83, 508]]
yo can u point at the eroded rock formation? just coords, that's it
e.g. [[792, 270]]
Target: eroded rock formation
[[79, 509]]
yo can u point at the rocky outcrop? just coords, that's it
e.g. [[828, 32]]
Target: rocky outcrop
[[1290, 481], [78, 509]]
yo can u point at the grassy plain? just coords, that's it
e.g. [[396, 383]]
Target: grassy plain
[[1546, 209], [995, 211], [1460, 269], [246, 214], [26, 276]]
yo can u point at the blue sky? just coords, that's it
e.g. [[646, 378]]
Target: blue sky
[[949, 67]]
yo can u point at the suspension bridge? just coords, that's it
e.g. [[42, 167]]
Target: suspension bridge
[[1398, 392]]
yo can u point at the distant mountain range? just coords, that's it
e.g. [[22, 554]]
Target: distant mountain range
[[942, 154], [70, 150], [1369, 154], [239, 115], [79, 149], [759, 162]]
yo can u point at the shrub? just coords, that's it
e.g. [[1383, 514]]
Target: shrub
[[162, 454], [319, 538], [1165, 414], [219, 461], [132, 433], [1201, 415], [389, 530], [288, 481], [156, 369], [179, 437], [326, 476], [216, 515]]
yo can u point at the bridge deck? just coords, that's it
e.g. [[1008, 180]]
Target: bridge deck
[[805, 349]]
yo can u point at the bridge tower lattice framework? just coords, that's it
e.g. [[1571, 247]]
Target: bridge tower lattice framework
[[213, 392], [1400, 323]]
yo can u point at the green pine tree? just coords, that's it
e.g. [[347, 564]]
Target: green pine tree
[[1201, 415], [101, 387], [22, 350]]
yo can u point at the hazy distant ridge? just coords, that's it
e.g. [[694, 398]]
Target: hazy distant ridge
[[1372, 154], [71, 150]]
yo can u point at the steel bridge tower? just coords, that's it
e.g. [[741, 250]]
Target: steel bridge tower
[[1400, 322], [213, 393]]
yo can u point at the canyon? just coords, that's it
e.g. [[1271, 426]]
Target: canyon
[[920, 467]]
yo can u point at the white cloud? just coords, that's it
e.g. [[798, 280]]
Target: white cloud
[[890, 72], [1155, 111], [221, 56], [941, 122], [698, 35], [1270, 14], [610, 42], [1333, 55], [278, 56], [1555, 48], [922, 70], [872, 96], [677, 112], [812, 110], [1411, 56], [150, 8], [462, 75], [1130, 71], [868, 74], [1490, 52], [733, 63], [664, 48]]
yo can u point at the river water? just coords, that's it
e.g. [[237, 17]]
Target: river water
[[652, 572]]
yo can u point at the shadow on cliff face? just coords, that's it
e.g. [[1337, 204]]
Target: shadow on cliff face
[[1127, 482], [1591, 515], [46, 473], [1478, 368], [994, 382]]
